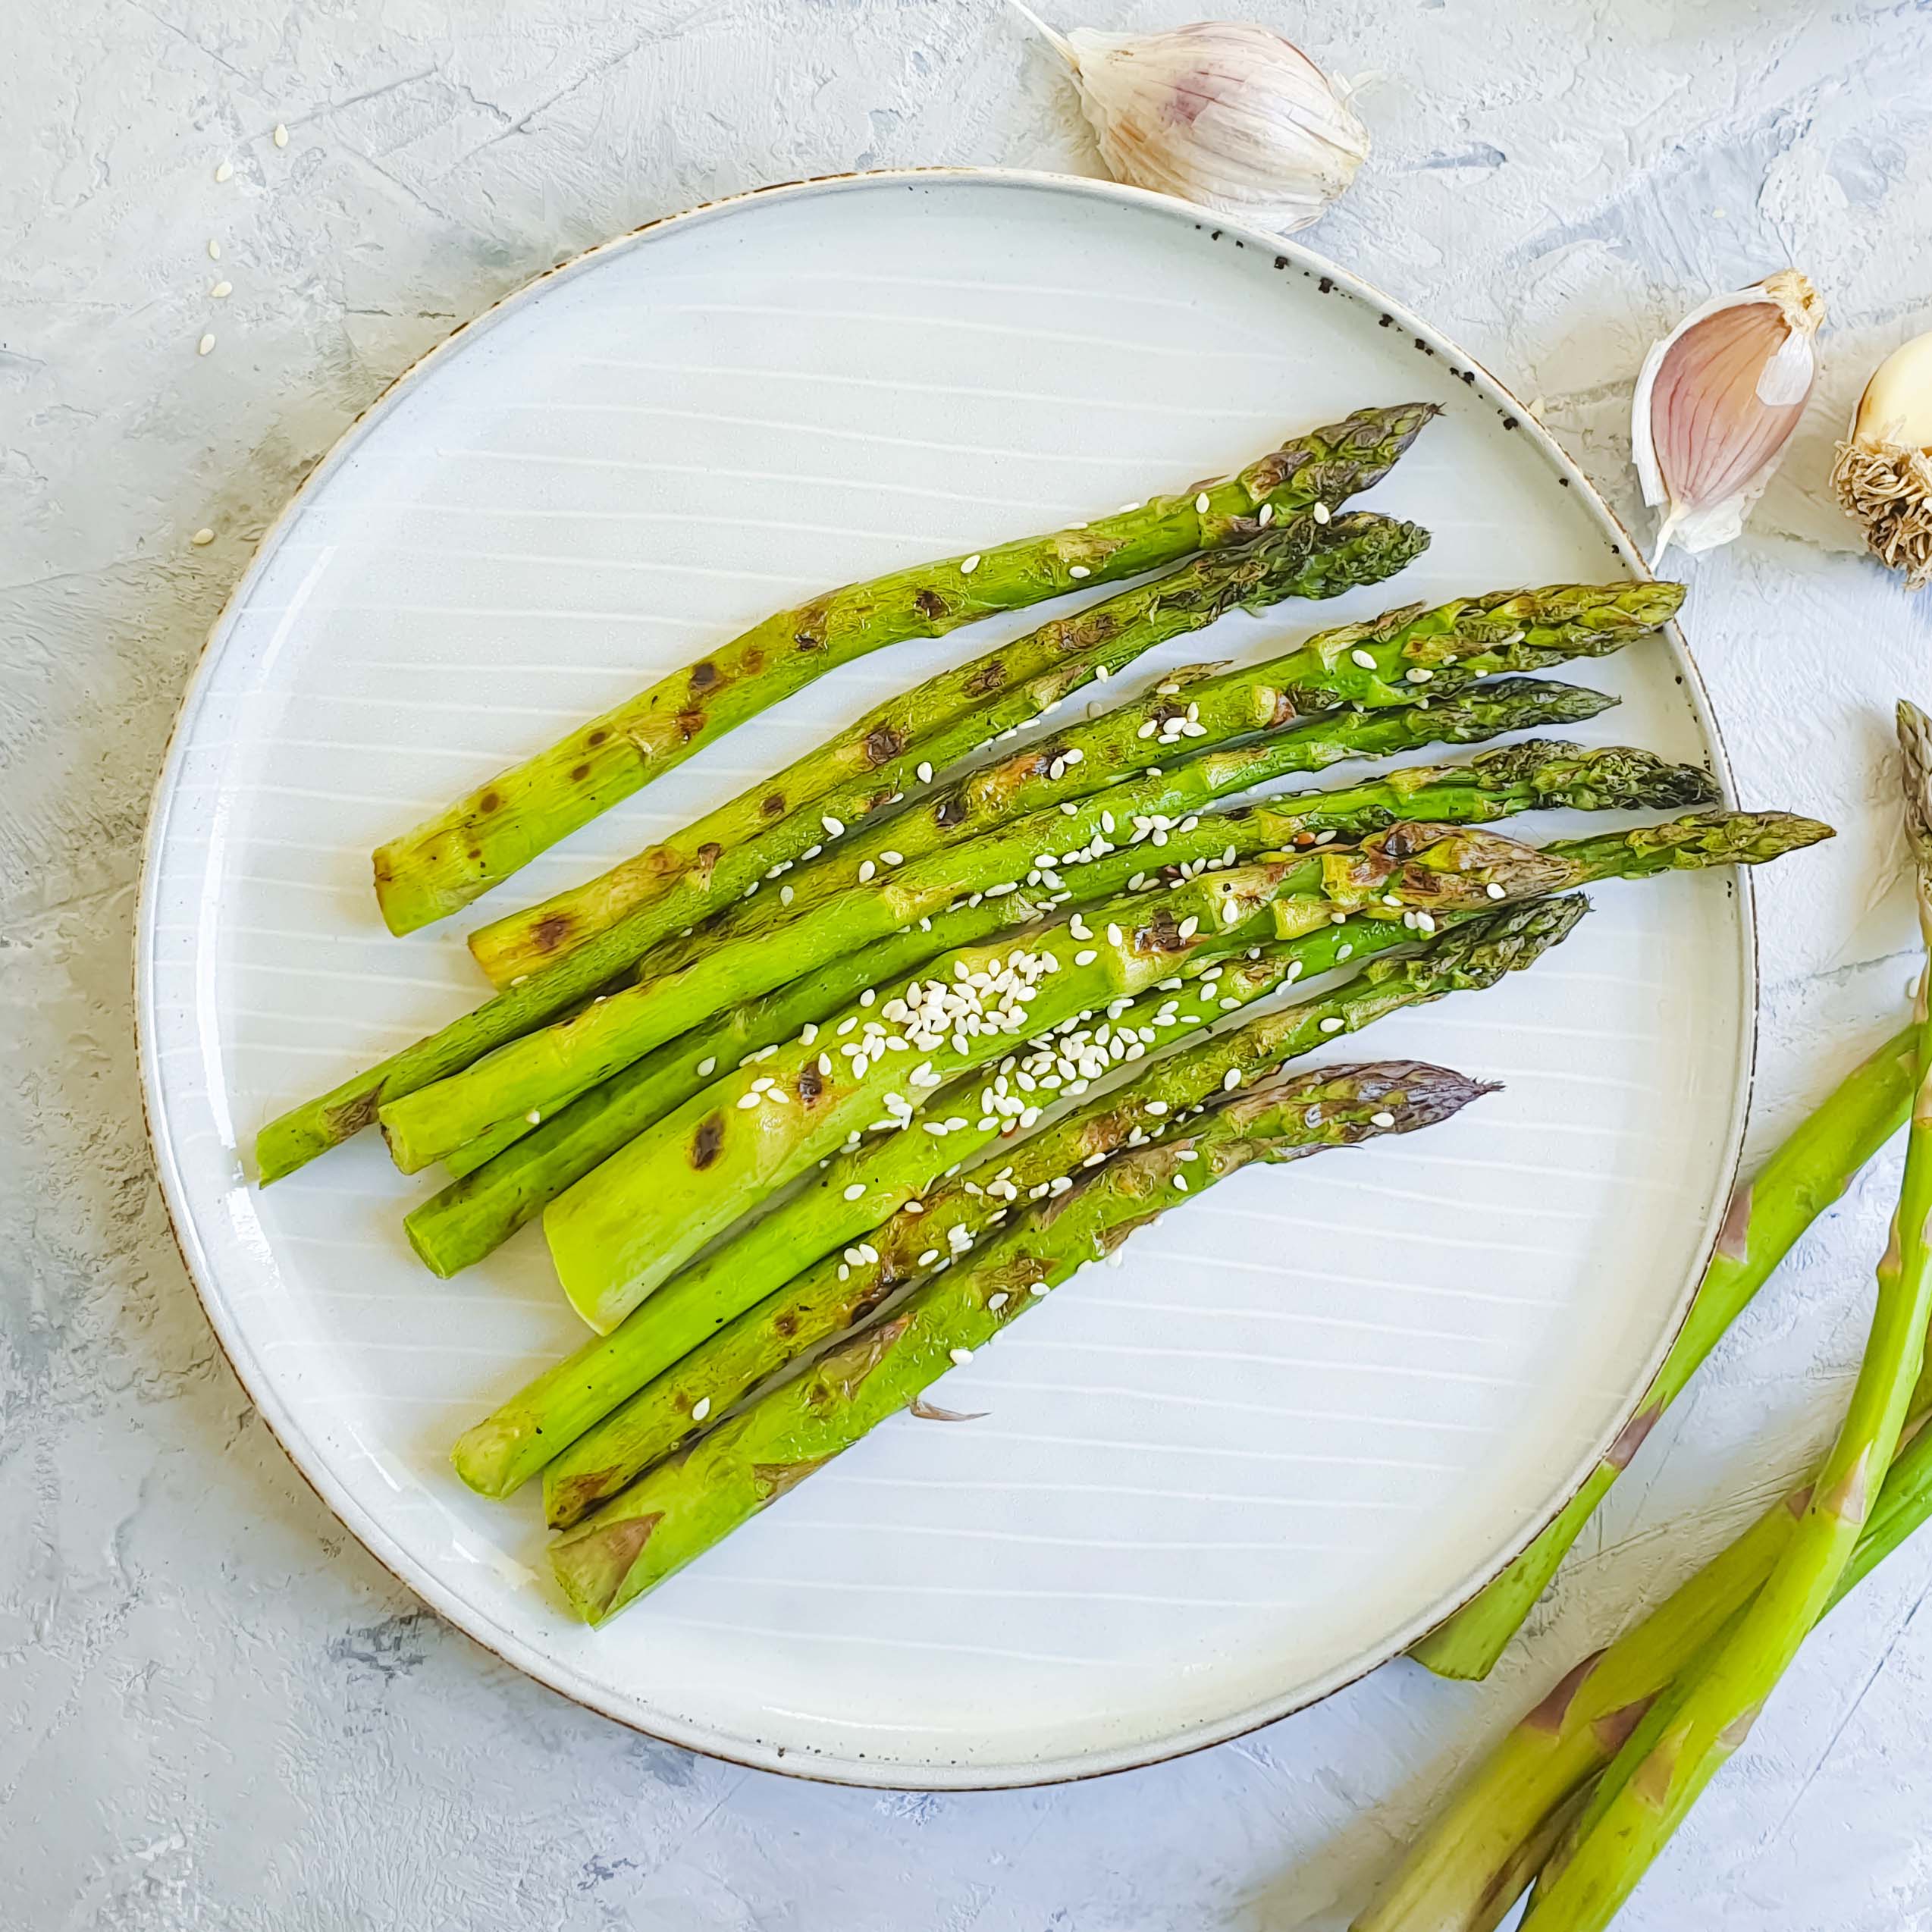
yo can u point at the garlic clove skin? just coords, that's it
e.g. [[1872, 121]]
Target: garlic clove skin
[[1883, 475], [1226, 115], [1716, 403]]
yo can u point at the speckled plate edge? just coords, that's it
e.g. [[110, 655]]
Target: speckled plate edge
[[505, 1644]]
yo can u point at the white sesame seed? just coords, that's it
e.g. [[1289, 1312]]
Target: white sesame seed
[[971, 564], [999, 1300], [534, 1117], [225, 171], [222, 290], [961, 1356], [1331, 1024], [1230, 1079], [201, 537], [1148, 729], [924, 774], [214, 249], [893, 858], [700, 1408], [1037, 1287], [1363, 659], [1267, 514], [747, 1099], [1074, 757], [281, 135], [206, 346], [1382, 1120], [784, 895], [1418, 675], [1320, 512], [855, 1191], [1180, 1181], [1495, 891], [1086, 957], [1189, 927], [1077, 570], [866, 870]]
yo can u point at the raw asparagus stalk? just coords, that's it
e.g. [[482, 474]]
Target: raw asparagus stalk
[[1485, 1845], [1451, 1875], [632, 1223], [1632, 1824], [1331, 738], [441, 865], [620, 1232], [1806, 1175], [1386, 662], [732, 1357], [686, 1506], [896, 749], [544, 1071]]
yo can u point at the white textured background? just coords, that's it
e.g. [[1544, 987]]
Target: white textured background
[[214, 1710]]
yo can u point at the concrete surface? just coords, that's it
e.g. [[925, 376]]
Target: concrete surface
[[215, 1710]]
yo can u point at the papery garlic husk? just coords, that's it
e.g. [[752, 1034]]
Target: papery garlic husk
[[1883, 473], [1716, 402], [1228, 115]]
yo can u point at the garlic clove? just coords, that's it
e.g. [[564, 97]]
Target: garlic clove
[[1716, 403], [1228, 115], [1883, 475]]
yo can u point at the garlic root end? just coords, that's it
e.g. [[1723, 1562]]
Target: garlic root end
[[1886, 489]]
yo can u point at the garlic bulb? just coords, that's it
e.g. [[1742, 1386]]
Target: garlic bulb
[[1883, 473], [1231, 116], [1717, 401]]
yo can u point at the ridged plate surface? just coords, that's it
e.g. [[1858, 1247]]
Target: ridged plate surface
[[1308, 1415]]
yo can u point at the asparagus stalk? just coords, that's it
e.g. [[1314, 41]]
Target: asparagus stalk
[[438, 867], [1808, 1172], [823, 1300], [1632, 1823], [496, 1195], [897, 747], [618, 1233], [868, 1183], [591, 967], [1471, 1865], [501, 1452], [507, 1447], [1331, 738], [1386, 662], [544, 1071], [1426, 646], [684, 1506]]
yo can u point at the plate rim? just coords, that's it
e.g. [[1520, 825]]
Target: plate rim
[[505, 1643]]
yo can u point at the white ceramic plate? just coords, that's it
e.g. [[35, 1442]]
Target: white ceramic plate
[[1307, 1417]]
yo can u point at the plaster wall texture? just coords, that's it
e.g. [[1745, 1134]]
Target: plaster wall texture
[[215, 1710]]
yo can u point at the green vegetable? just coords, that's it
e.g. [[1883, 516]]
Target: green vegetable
[[1644, 1801], [620, 1232], [684, 1506], [438, 867], [496, 1207], [1388, 662], [832, 1294], [895, 749], [1800, 1181]]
